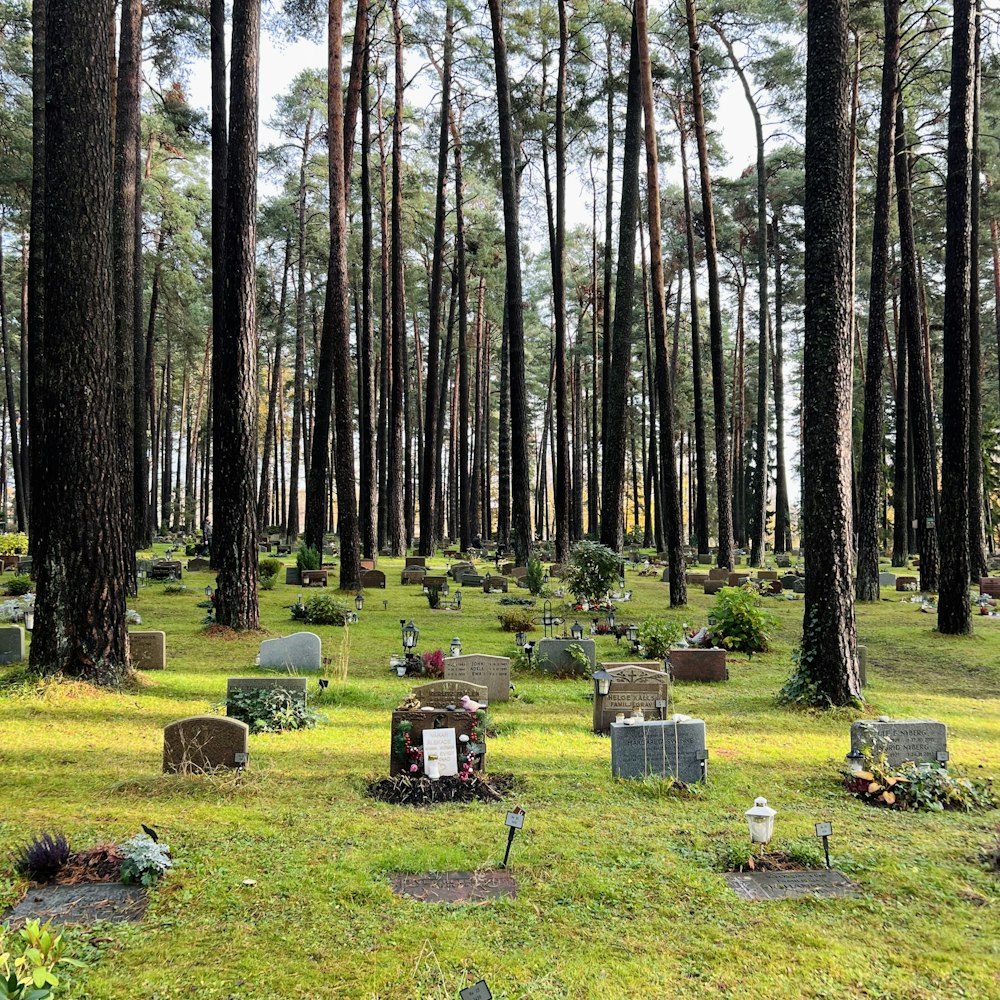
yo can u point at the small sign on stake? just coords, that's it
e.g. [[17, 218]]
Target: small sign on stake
[[478, 991], [825, 831], [515, 821]]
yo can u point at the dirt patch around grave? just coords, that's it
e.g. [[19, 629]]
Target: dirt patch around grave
[[403, 790], [227, 634], [771, 861]]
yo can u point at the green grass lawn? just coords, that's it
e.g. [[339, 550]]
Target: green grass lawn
[[619, 891]]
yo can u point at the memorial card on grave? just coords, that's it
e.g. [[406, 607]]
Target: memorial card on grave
[[419, 720], [491, 671], [441, 694], [633, 687], [443, 744]]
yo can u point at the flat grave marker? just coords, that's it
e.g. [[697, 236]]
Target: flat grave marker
[[85, 903], [454, 887], [825, 882]]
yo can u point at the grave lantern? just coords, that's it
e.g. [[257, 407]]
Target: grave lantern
[[488, 579], [760, 820], [611, 619], [632, 633], [458, 599], [521, 639], [410, 635], [444, 588], [602, 682], [576, 631], [208, 592], [29, 617], [621, 583], [456, 646], [359, 601]]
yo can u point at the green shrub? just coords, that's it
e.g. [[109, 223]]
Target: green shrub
[[269, 710], [307, 558], [592, 571], [144, 860], [269, 567], [516, 620], [740, 623], [268, 582], [13, 542], [534, 579], [18, 585], [656, 635], [325, 609]]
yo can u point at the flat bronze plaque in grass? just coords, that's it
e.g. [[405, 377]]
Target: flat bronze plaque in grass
[[791, 885], [454, 887], [86, 903]]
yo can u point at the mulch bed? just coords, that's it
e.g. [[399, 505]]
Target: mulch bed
[[421, 791], [772, 861]]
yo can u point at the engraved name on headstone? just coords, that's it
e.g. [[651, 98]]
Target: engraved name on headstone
[[493, 672], [440, 694], [674, 748], [634, 687], [902, 740]]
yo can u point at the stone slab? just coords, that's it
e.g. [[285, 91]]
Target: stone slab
[[718, 573], [767, 574], [11, 644], [295, 686], [704, 558], [698, 665], [454, 887], [889, 579], [204, 743], [758, 886], [714, 586], [917, 740], [552, 657], [441, 694], [292, 576], [420, 720], [373, 579], [738, 579], [634, 687], [314, 578], [198, 565], [990, 585], [86, 903], [415, 561], [906, 583], [662, 748], [298, 651], [492, 672], [148, 650]]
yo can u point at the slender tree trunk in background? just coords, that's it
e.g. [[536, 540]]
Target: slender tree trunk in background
[[333, 381], [503, 436], [593, 498], [668, 457], [36, 272], [977, 551], [395, 526], [15, 444], [700, 520], [368, 499], [466, 478], [609, 208], [561, 472], [234, 348], [270, 421], [579, 471], [520, 481], [24, 378], [352, 104], [385, 332], [615, 445], [80, 610], [220, 167], [476, 473], [869, 541], [829, 654], [725, 556], [166, 433], [782, 529], [900, 463], [924, 508], [954, 611], [128, 289], [757, 515], [429, 498]]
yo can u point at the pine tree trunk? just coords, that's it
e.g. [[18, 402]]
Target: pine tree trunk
[[668, 457], [80, 610], [466, 478], [615, 445], [234, 347], [869, 542], [8, 372], [954, 612], [900, 461], [725, 556], [829, 655], [782, 529]]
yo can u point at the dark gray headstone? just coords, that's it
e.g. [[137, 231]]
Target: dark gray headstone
[[11, 644], [919, 740], [799, 587], [553, 657], [661, 748], [887, 579]]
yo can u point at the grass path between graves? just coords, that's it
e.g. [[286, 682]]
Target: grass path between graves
[[618, 887]]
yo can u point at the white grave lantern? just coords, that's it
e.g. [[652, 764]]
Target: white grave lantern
[[760, 820]]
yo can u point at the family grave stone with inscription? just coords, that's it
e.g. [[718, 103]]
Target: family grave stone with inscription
[[441, 694], [492, 672], [923, 741], [633, 687], [148, 650]]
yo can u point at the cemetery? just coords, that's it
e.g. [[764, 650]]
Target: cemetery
[[338, 824]]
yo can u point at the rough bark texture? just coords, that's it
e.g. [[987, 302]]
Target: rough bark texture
[[869, 541], [234, 345], [954, 613], [668, 463], [829, 653], [782, 532], [615, 441], [900, 460], [723, 471], [80, 616], [520, 477]]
